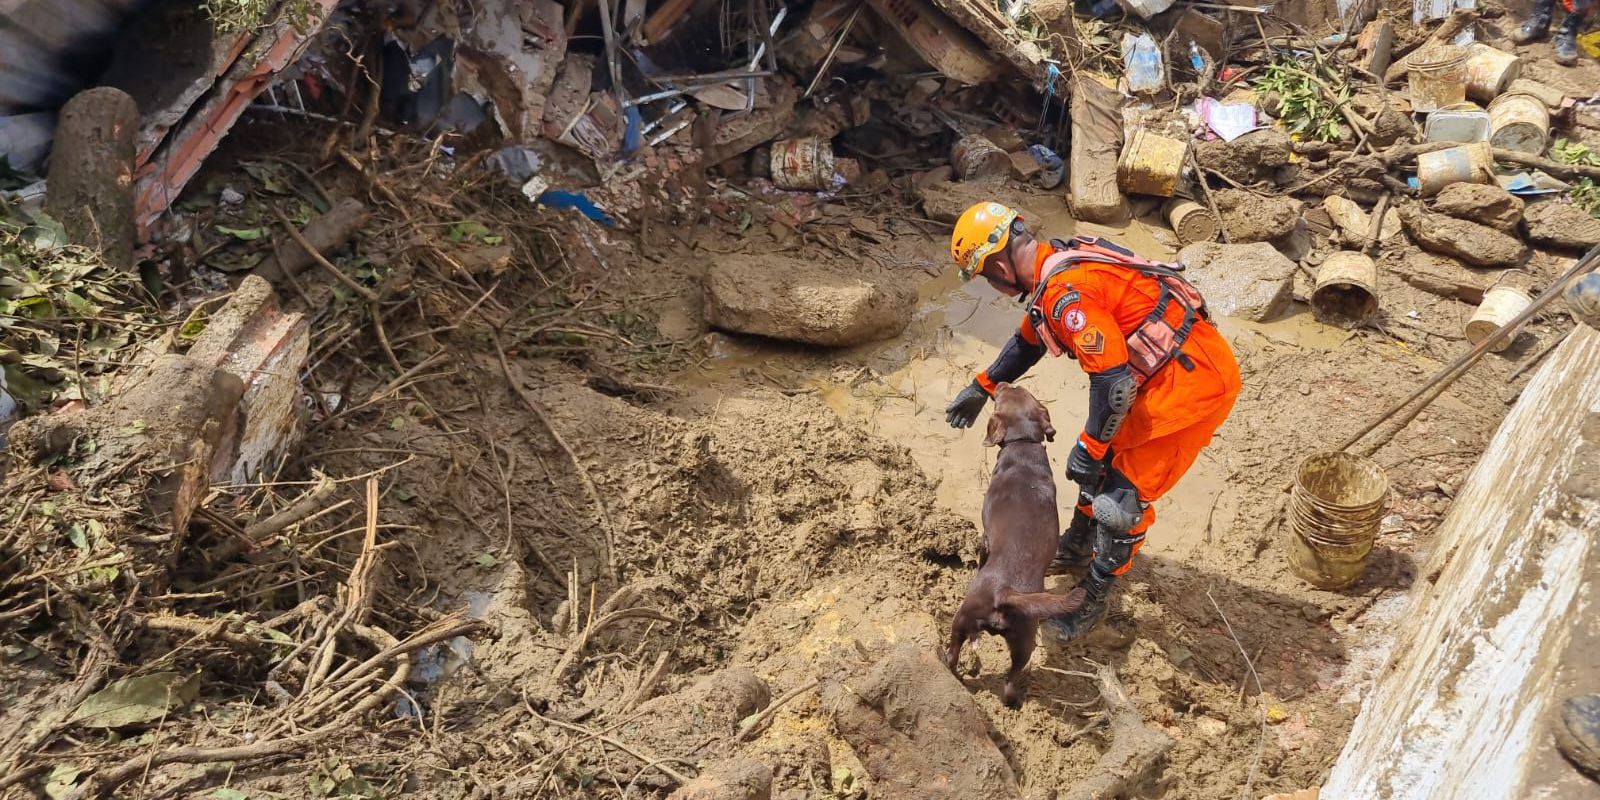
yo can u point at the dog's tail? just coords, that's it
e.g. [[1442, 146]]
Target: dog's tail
[[1040, 605]]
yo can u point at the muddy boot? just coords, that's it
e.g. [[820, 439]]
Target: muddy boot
[[1075, 548], [1071, 627], [1567, 40], [1537, 24], [1578, 733]]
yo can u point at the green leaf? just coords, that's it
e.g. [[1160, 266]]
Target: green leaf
[[138, 426], [76, 536], [78, 304], [486, 560], [397, 423], [467, 229], [243, 234], [131, 701], [62, 781], [229, 794], [404, 495], [493, 240]]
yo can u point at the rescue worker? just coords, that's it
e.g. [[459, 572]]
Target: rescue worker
[[1538, 24], [1161, 380]]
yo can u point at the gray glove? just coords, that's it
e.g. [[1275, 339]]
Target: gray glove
[[1084, 469], [963, 411]]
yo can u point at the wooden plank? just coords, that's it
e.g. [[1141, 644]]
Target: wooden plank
[[1096, 144], [1501, 627]]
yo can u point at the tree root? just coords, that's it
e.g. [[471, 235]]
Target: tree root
[[1137, 751]]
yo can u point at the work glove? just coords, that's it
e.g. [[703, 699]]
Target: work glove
[[1084, 469], [963, 411]]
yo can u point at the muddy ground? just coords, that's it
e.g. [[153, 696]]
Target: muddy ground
[[667, 529], [797, 511]]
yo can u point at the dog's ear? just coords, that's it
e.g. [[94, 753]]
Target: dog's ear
[[997, 431], [1044, 423]]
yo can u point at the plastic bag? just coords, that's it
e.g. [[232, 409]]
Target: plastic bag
[[1143, 60]]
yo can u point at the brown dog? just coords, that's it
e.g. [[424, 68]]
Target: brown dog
[[1020, 526]]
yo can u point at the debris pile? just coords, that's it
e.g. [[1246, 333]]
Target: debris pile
[[381, 426]]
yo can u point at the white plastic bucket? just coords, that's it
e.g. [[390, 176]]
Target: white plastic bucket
[[1519, 122], [1500, 305]]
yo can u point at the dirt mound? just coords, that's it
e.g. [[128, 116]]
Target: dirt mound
[[918, 732], [1562, 225], [799, 301]]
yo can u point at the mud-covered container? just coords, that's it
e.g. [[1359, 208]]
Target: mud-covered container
[[1500, 305], [1346, 293], [1519, 122], [1438, 78], [1151, 164], [1334, 509], [804, 163]]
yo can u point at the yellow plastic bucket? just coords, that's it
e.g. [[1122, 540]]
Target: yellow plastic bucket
[[1437, 77], [1519, 122], [1151, 164]]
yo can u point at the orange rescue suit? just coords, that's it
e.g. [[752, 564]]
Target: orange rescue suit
[[1177, 410]]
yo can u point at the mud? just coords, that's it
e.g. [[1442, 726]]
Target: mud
[[1561, 225], [1248, 217], [1252, 158], [1478, 245], [1486, 205]]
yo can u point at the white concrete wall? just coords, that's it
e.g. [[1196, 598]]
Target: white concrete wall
[[1461, 709]]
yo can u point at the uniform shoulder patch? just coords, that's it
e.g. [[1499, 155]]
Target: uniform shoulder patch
[[1061, 304], [1091, 341]]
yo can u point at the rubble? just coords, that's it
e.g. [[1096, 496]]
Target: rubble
[[1478, 245], [796, 300], [1486, 205], [1553, 223], [1093, 194], [1249, 281], [1255, 157], [1248, 217], [1446, 277], [327, 232]]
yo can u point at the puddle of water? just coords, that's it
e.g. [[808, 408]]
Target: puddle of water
[[957, 330]]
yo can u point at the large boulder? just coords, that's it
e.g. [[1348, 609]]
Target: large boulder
[[1481, 203], [1478, 245], [1250, 281], [799, 301], [1562, 225], [1249, 217]]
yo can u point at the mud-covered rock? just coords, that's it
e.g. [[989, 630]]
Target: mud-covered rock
[[1251, 158], [1445, 276], [1481, 203], [1250, 281], [798, 301], [1478, 245], [738, 779], [1249, 217], [1562, 225], [919, 733]]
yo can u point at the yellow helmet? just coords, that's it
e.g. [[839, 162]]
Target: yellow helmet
[[981, 230]]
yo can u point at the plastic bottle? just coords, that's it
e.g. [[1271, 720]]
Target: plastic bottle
[[1143, 59], [1195, 59]]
